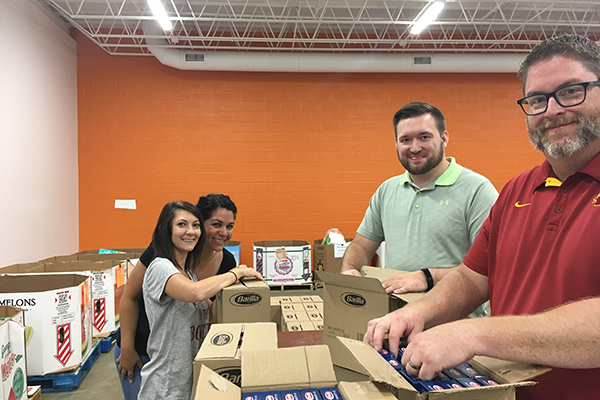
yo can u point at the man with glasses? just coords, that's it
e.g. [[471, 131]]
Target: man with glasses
[[435, 208], [536, 258]]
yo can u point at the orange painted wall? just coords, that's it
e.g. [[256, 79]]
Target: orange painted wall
[[298, 152]]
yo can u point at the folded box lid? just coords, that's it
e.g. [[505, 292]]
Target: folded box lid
[[287, 368], [222, 340], [212, 386]]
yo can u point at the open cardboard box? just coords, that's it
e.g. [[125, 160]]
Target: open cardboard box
[[221, 349], [286, 368], [350, 302], [107, 284], [328, 257], [509, 374], [57, 312], [12, 356], [283, 262]]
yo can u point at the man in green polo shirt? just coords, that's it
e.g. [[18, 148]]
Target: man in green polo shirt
[[430, 215]]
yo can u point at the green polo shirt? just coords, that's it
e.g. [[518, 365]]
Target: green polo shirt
[[430, 227]]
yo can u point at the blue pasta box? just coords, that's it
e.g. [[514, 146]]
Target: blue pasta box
[[271, 395], [330, 393], [290, 394], [251, 396], [310, 394]]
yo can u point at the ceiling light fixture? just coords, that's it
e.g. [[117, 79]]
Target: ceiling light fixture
[[427, 16], [160, 14]]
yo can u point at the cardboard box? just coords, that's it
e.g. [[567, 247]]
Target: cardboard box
[[34, 392], [272, 370], [221, 350], [57, 310], [239, 303], [328, 257], [12, 356], [283, 262], [349, 303], [107, 284], [509, 374], [235, 247]]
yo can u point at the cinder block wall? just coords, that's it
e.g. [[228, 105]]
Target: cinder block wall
[[299, 153]]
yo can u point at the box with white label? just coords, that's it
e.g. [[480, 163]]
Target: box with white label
[[57, 311], [283, 262]]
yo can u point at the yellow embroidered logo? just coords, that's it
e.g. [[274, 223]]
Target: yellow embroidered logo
[[596, 201], [518, 205]]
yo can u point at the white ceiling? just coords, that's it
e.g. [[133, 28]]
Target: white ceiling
[[327, 26]]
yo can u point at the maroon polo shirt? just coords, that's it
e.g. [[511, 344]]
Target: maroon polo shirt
[[539, 249]]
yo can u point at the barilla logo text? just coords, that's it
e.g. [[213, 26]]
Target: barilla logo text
[[354, 299], [18, 302], [233, 375], [221, 339], [246, 299]]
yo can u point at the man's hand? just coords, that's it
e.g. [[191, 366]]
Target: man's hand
[[406, 283], [402, 323], [352, 272], [441, 347]]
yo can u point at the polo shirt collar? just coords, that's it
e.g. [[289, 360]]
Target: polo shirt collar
[[448, 178], [545, 176]]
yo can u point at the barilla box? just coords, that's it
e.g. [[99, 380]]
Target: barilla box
[[235, 247], [212, 386], [328, 257], [247, 302], [57, 311], [508, 374], [224, 344], [350, 302], [283, 262], [107, 285], [12, 355]]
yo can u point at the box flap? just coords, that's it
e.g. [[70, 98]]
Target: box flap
[[259, 336], [274, 369], [220, 342], [349, 281], [507, 371], [375, 365], [383, 273], [212, 386], [364, 391], [320, 367]]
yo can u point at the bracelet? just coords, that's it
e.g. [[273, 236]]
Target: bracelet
[[428, 278], [236, 277]]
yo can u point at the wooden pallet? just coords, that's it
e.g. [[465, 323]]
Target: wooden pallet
[[292, 287], [66, 381]]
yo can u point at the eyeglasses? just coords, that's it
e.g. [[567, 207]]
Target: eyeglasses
[[568, 96]]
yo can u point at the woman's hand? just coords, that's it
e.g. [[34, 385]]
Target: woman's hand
[[127, 362], [245, 272]]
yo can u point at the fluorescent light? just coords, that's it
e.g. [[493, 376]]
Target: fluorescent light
[[427, 16], [160, 14]]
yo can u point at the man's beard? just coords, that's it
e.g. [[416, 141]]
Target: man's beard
[[588, 130], [430, 164]]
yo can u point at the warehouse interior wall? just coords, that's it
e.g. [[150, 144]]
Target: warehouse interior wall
[[39, 207], [299, 153]]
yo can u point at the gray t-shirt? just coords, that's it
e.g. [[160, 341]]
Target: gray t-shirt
[[177, 330]]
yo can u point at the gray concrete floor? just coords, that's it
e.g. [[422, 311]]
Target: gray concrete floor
[[102, 381]]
